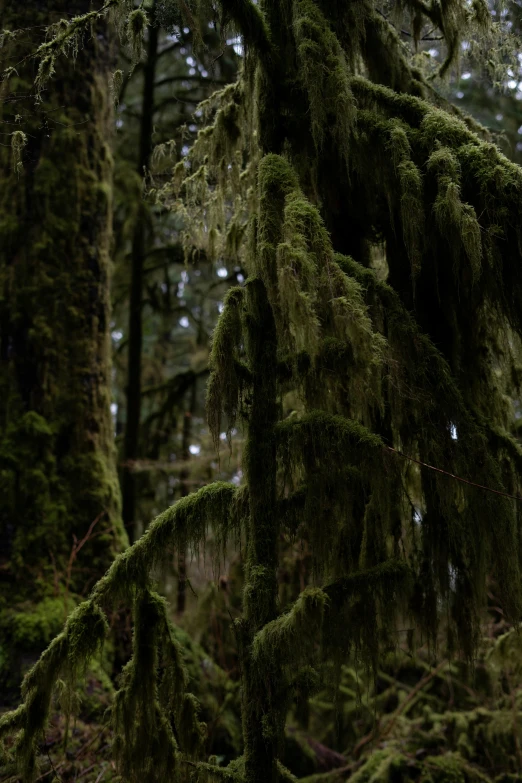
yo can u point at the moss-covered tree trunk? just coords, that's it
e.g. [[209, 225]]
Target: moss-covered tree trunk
[[261, 707], [58, 478]]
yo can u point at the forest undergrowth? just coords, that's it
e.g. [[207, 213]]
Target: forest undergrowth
[[419, 717]]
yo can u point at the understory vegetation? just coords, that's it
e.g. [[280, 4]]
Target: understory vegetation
[[260, 327]]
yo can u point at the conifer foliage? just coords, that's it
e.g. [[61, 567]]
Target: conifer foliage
[[333, 150]]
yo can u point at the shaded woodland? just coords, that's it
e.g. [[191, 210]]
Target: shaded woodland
[[260, 320]]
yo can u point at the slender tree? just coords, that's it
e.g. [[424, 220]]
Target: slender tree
[[383, 251], [138, 253], [57, 476], [169, 92], [184, 490]]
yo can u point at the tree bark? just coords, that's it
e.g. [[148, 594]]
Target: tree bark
[[139, 243], [58, 478], [185, 490], [261, 726]]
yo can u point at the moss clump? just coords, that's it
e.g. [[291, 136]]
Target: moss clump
[[32, 626]]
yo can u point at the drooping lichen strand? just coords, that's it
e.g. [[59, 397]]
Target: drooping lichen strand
[[136, 25], [152, 715], [227, 379], [411, 202]]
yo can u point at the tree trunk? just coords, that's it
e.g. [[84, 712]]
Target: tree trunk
[[132, 428], [185, 490], [58, 477], [261, 725]]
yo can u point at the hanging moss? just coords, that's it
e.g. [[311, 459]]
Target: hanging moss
[[183, 525], [287, 637], [333, 143], [136, 25], [149, 714], [226, 383], [325, 75]]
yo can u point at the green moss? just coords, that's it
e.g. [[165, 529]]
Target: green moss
[[136, 25], [32, 626], [325, 433], [445, 768], [225, 387], [57, 472], [145, 743], [325, 75], [381, 375], [290, 638], [412, 213]]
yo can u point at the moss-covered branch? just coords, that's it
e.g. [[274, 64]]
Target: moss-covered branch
[[290, 638], [385, 578], [183, 525], [66, 656]]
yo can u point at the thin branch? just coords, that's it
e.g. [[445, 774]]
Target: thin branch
[[81, 752], [77, 545], [376, 733], [426, 37], [452, 475], [56, 775]]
